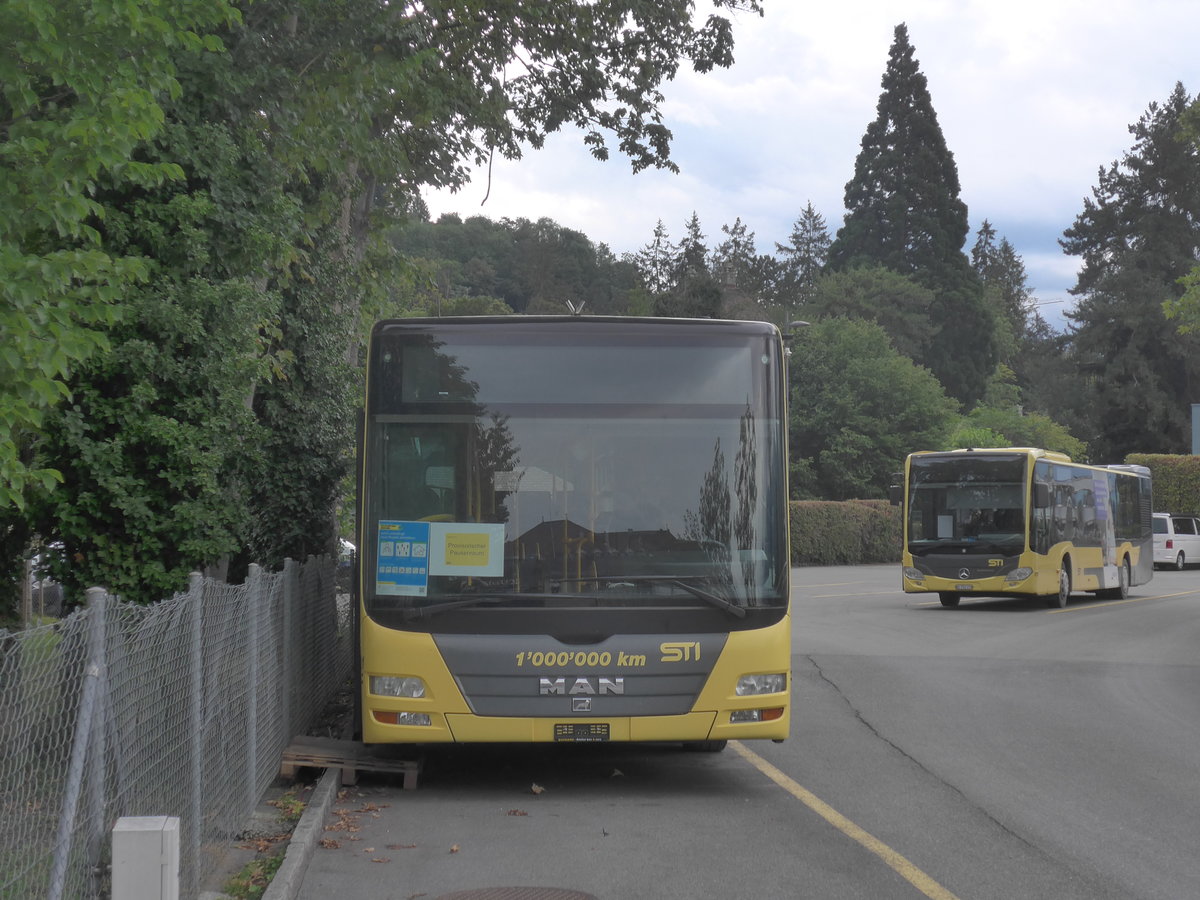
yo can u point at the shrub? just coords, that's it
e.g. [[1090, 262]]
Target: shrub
[[829, 533], [1176, 481]]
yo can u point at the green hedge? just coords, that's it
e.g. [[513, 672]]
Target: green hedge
[[828, 533], [1176, 481]]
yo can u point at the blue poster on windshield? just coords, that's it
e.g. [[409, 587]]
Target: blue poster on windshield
[[402, 559]]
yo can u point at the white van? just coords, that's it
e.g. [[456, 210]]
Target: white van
[[1176, 540]]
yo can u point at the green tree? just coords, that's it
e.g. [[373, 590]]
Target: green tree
[[1136, 237], [1006, 288], [80, 88], [1049, 379], [530, 265], [904, 213], [295, 474], [898, 304], [159, 444], [1001, 421], [1187, 307], [699, 297], [749, 280], [857, 409], [339, 114], [733, 259], [691, 256], [151, 443], [656, 261], [804, 257]]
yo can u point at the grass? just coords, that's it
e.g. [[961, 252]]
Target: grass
[[290, 807], [252, 881]]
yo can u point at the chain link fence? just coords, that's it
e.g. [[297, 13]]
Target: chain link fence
[[183, 708]]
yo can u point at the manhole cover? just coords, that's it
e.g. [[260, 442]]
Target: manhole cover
[[517, 893]]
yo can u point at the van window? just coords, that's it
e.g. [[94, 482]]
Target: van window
[[1185, 526]]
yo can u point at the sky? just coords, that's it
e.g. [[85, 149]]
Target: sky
[[1033, 99]]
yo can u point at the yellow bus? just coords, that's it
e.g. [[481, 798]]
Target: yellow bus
[[1020, 521], [574, 529]]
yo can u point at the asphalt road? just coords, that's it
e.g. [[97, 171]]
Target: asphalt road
[[996, 750]]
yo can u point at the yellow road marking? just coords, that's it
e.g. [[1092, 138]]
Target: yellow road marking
[[855, 594], [899, 864]]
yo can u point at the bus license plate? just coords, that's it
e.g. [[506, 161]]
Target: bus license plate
[[580, 732], [964, 587]]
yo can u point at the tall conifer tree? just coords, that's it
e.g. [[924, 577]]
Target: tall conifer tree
[[904, 213], [691, 259], [1006, 288], [654, 261], [1137, 237], [804, 256]]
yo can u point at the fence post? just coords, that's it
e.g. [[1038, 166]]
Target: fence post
[[98, 757], [196, 708], [97, 599], [254, 606], [289, 640]]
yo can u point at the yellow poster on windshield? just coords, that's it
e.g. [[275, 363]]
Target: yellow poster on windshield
[[466, 548]]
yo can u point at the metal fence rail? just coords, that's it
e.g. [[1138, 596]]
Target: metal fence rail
[[182, 708]]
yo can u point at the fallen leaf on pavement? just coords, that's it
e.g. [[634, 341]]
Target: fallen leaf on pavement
[[455, 848], [537, 788]]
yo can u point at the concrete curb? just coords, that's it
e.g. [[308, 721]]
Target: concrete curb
[[305, 837]]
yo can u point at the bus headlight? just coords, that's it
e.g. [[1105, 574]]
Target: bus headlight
[[395, 686], [913, 574], [761, 684], [1017, 575]]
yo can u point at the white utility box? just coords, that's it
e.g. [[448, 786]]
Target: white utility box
[[145, 858]]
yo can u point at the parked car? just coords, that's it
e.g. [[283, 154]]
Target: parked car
[[1176, 540]]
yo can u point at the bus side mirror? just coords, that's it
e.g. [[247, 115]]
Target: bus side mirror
[[896, 491], [1041, 496]]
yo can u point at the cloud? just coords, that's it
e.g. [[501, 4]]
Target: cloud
[[1033, 99]]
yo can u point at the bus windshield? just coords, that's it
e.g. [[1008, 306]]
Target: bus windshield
[[572, 466], [975, 502]]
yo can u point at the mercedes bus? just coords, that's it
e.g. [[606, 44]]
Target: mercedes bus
[[573, 529], [1021, 521]]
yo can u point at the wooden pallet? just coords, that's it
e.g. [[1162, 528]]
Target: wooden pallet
[[351, 757]]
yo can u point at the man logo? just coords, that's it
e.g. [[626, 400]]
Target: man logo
[[591, 686]]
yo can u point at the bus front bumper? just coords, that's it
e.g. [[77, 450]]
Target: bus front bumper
[[1017, 581], [468, 728]]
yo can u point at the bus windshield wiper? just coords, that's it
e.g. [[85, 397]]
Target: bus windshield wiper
[[448, 602], [679, 581]]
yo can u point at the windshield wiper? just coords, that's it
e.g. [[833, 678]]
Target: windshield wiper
[[679, 582], [465, 601], [447, 602]]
